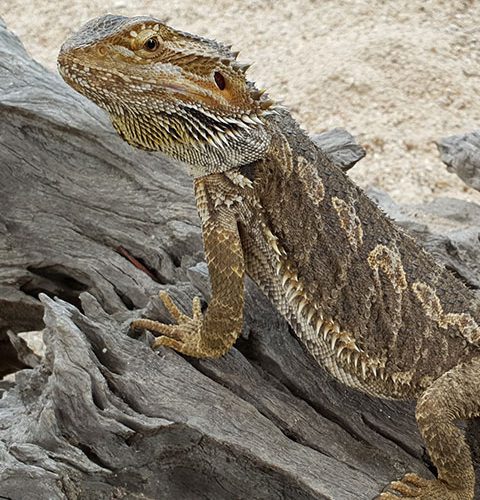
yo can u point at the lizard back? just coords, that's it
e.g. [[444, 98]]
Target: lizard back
[[366, 300]]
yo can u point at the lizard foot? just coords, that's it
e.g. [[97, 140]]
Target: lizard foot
[[184, 336], [415, 487]]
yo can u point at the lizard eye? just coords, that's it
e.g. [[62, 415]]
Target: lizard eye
[[151, 44], [219, 80]]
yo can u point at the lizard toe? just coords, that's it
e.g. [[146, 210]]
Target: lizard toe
[[414, 487]]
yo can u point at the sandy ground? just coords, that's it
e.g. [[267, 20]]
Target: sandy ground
[[398, 74]]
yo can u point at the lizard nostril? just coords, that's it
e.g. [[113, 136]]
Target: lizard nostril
[[219, 80]]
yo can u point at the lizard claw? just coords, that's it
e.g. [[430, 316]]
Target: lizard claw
[[175, 311], [414, 487], [184, 336]]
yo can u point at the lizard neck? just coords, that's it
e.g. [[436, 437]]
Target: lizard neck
[[223, 155]]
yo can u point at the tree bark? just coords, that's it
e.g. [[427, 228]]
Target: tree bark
[[90, 231]]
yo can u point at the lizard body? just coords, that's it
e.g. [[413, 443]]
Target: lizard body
[[366, 301]]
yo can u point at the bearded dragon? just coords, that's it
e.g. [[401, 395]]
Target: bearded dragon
[[368, 303]]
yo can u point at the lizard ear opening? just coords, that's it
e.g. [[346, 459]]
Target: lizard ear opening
[[219, 80]]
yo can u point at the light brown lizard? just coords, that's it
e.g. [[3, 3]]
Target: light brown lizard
[[367, 302]]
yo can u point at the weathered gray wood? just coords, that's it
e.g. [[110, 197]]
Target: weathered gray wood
[[103, 416], [461, 154], [340, 146]]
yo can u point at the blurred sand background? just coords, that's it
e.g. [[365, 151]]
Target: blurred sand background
[[396, 74]]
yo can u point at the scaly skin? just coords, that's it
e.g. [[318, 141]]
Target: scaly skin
[[367, 302]]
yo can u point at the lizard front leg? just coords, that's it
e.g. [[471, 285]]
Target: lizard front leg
[[454, 396], [213, 334]]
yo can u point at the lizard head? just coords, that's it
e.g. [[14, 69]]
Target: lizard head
[[169, 91]]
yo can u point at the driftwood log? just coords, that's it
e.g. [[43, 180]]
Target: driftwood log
[[90, 231]]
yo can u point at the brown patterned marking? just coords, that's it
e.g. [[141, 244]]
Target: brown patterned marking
[[308, 176], [283, 154], [349, 221], [434, 310], [390, 262]]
